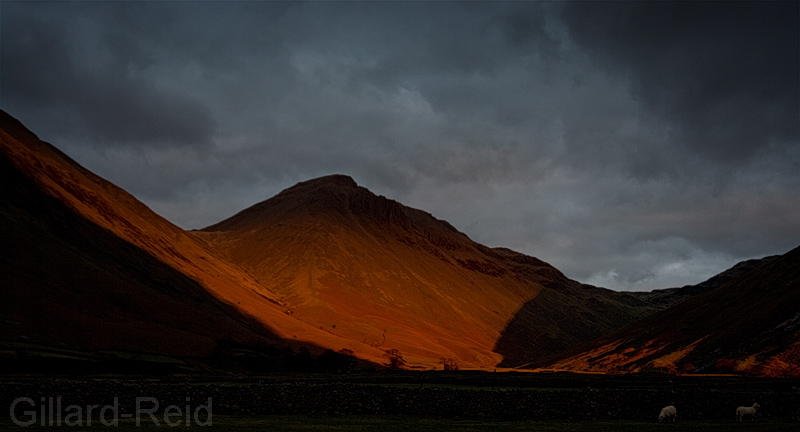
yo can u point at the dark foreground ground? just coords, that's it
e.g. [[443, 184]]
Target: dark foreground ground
[[392, 423], [407, 401]]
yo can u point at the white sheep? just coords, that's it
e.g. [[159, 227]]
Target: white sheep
[[743, 411], [668, 414]]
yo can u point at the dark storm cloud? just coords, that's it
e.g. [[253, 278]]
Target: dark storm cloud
[[725, 74], [90, 79], [632, 145], [526, 27]]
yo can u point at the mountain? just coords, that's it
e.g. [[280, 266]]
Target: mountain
[[327, 264], [749, 324], [369, 269], [87, 266]]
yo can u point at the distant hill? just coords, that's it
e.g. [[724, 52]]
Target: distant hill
[[749, 324], [664, 298]]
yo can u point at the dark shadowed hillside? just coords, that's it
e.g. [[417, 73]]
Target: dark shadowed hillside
[[664, 298], [68, 282], [751, 324]]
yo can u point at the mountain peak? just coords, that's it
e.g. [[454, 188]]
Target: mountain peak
[[329, 198], [340, 180], [327, 185]]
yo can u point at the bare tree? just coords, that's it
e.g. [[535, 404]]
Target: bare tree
[[396, 361], [450, 364]]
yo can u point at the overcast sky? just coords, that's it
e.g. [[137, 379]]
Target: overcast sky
[[633, 145]]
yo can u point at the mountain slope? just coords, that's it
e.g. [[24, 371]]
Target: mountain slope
[[366, 268], [752, 320], [68, 282], [87, 264]]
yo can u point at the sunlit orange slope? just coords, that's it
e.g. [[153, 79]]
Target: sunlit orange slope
[[751, 324], [366, 268], [93, 237]]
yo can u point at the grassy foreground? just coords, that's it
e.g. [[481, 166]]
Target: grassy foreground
[[397, 423]]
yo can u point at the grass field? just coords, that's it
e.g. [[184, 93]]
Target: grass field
[[394, 423]]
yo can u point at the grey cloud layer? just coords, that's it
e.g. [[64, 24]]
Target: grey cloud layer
[[633, 145], [724, 75]]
